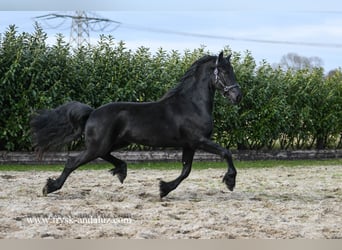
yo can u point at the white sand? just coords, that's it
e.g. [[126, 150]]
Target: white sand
[[304, 202]]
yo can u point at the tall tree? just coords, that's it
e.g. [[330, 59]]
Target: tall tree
[[298, 62]]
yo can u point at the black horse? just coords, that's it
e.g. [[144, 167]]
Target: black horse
[[181, 118]]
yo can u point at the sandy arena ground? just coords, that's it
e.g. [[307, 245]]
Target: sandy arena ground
[[303, 202]]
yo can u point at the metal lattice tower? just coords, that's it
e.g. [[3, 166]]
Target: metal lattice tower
[[79, 33], [82, 24]]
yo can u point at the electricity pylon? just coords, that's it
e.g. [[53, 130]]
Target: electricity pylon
[[79, 33], [81, 25]]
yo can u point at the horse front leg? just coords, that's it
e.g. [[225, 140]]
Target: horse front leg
[[167, 187], [212, 147]]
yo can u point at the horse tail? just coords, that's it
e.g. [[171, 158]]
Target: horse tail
[[56, 127]]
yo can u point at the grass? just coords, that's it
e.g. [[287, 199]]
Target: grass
[[177, 165]]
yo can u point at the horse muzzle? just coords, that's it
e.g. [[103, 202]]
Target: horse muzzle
[[233, 92]]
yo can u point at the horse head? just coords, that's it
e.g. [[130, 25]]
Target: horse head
[[224, 79]]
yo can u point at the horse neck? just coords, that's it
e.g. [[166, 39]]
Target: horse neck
[[204, 91], [197, 89]]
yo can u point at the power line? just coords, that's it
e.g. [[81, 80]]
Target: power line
[[232, 38], [82, 23]]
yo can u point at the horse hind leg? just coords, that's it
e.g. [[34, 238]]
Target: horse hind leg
[[120, 169], [72, 164]]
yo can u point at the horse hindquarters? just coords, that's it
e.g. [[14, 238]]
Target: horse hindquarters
[[94, 135]]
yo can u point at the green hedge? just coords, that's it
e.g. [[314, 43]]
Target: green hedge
[[287, 110]]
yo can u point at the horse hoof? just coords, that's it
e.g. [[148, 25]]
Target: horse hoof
[[164, 189], [48, 188], [120, 173], [230, 187], [229, 180], [121, 178]]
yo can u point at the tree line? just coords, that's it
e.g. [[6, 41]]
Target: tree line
[[281, 108]]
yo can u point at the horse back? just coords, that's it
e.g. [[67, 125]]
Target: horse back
[[158, 124]]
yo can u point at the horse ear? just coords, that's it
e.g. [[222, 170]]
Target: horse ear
[[219, 58]]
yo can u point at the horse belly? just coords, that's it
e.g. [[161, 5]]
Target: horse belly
[[156, 135]]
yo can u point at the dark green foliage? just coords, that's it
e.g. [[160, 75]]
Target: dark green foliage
[[295, 109]]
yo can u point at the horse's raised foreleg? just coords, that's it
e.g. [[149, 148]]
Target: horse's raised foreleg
[[212, 147], [71, 164], [167, 187], [120, 169]]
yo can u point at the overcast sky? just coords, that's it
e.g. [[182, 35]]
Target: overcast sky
[[269, 29]]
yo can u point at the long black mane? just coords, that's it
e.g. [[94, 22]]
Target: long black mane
[[189, 78]]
